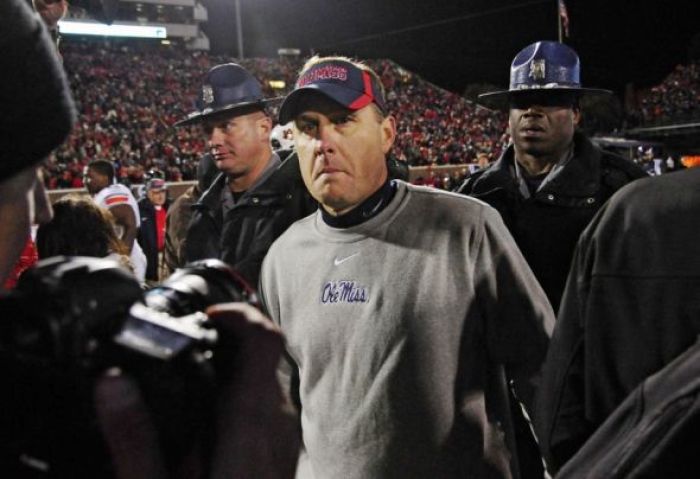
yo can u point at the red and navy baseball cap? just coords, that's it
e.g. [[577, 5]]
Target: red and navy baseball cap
[[156, 184], [338, 79]]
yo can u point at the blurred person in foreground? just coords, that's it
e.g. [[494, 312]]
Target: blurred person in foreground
[[257, 195], [630, 307], [405, 309], [81, 228], [552, 179], [153, 208], [118, 199], [250, 435], [37, 115]]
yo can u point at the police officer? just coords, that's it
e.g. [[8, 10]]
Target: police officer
[[256, 196], [551, 179]]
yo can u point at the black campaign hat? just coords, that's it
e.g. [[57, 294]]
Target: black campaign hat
[[226, 88], [545, 67]]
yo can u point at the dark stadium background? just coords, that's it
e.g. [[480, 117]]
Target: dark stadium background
[[470, 41]]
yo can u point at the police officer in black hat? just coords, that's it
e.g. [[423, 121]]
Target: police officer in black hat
[[256, 196], [551, 179]]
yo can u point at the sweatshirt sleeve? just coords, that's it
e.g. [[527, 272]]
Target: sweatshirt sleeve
[[287, 371]]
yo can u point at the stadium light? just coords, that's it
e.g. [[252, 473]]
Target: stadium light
[[114, 30], [277, 84]]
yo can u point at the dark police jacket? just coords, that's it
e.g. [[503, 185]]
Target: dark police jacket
[[260, 215], [547, 225]]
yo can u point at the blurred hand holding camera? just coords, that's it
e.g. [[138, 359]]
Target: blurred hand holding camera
[[256, 434]]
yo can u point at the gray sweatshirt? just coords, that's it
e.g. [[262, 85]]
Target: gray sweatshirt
[[401, 332]]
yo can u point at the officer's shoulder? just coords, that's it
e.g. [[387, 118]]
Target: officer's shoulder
[[468, 184]]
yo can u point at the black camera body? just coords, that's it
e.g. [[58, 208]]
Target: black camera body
[[71, 319]]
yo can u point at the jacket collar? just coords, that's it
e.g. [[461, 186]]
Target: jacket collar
[[271, 185], [580, 177]]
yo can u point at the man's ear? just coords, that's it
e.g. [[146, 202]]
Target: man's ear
[[577, 116], [265, 125], [388, 133]]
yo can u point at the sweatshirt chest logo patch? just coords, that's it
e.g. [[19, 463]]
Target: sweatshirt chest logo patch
[[334, 292], [338, 261]]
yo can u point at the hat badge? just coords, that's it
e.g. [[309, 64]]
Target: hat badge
[[207, 94], [537, 70]]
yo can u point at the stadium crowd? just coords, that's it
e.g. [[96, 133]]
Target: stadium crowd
[[128, 101], [675, 99]]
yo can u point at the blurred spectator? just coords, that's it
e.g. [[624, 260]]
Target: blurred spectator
[[180, 212], [100, 183], [151, 236], [81, 228]]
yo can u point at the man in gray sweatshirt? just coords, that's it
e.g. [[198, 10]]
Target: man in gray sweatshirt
[[406, 309]]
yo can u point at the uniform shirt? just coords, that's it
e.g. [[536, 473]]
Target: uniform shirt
[[118, 194]]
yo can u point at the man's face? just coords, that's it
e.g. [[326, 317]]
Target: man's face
[[157, 197], [542, 123], [94, 181], [239, 143], [341, 152]]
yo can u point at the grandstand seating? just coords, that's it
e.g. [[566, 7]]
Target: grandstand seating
[[675, 100], [129, 97]]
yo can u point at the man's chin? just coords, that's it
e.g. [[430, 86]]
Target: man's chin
[[534, 148], [331, 201]]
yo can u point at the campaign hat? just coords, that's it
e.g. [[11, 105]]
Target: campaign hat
[[543, 66], [227, 89]]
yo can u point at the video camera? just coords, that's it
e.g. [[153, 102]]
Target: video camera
[[71, 319]]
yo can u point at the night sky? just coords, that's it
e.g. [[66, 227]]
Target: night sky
[[468, 41]]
